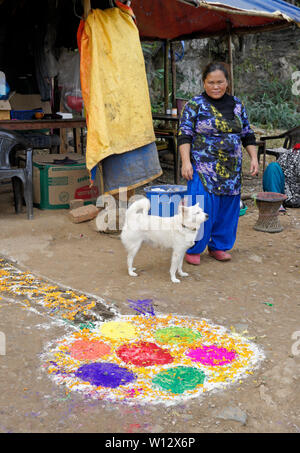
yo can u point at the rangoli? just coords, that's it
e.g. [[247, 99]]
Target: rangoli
[[151, 359]]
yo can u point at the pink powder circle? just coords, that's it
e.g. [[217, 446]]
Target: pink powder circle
[[212, 355], [89, 349]]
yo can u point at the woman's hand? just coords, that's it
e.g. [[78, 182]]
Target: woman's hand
[[254, 166], [187, 170], [186, 166]]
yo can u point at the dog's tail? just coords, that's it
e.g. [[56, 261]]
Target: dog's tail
[[139, 205]]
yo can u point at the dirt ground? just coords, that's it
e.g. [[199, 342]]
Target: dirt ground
[[256, 292]]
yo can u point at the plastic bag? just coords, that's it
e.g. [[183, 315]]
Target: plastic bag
[[69, 82], [4, 87]]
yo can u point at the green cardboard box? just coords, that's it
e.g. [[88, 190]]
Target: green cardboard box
[[55, 184]]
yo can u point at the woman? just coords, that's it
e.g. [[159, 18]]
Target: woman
[[283, 176], [213, 128]]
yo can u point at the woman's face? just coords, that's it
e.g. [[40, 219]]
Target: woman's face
[[215, 84]]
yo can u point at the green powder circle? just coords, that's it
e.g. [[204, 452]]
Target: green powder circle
[[179, 379], [176, 335]]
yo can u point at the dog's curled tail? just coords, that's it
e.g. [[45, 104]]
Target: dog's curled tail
[[139, 205]]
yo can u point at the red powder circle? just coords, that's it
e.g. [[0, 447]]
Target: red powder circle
[[144, 354], [89, 349]]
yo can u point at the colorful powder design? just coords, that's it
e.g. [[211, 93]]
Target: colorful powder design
[[70, 305], [212, 355], [151, 359], [116, 330], [144, 354], [89, 349], [105, 374], [176, 335], [179, 379], [143, 307]]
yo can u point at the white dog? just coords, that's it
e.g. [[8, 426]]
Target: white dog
[[178, 232]]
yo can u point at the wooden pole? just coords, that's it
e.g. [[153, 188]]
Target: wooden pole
[[86, 8], [173, 67], [166, 74], [230, 59]]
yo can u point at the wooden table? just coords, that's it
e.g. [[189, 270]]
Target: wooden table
[[22, 125], [165, 117], [74, 123], [25, 125], [169, 133]]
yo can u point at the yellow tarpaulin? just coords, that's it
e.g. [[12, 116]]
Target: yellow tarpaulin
[[114, 86]]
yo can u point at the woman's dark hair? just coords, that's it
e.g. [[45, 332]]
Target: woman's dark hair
[[211, 67]]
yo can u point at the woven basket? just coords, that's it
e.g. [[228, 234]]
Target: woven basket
[[268, 204]]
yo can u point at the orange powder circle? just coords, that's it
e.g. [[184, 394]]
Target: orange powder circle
[[89, 349]]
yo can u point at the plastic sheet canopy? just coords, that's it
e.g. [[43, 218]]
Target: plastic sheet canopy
[[178, 19]]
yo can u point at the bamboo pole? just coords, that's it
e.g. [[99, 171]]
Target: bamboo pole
[[173, 68], [166, 74], [230, 59], [86, 8]]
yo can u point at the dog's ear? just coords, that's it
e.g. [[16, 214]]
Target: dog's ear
[[181, 206], [183, 210]]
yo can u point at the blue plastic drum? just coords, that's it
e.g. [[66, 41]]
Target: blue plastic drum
[[131, 169], [165, 199]]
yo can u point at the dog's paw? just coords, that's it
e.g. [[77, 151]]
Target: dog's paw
[[175, 280], [183, 274], [132, 274]]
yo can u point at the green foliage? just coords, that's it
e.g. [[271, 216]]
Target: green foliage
[[157, 106], [150, 48], [185, 95], [272, 105]]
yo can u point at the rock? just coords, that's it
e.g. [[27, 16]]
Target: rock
[[255, 258], [83, 213], [233, 413]]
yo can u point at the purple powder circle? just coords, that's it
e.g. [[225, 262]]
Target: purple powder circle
[[105, 374]]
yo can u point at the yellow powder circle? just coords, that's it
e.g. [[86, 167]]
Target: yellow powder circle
[[116, 330]]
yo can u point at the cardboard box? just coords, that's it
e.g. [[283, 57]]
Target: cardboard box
[[18, 101], [55, 184], [5, 109], [29, 102]]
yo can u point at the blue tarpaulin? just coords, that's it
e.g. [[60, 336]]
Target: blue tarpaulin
[[276, 7]]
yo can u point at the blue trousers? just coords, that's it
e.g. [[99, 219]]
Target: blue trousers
[[219, 231], [273, 178]]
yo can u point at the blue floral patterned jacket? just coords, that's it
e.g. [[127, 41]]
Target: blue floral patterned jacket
[[216, 143]]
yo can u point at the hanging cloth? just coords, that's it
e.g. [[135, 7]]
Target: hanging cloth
[[114, 85]]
